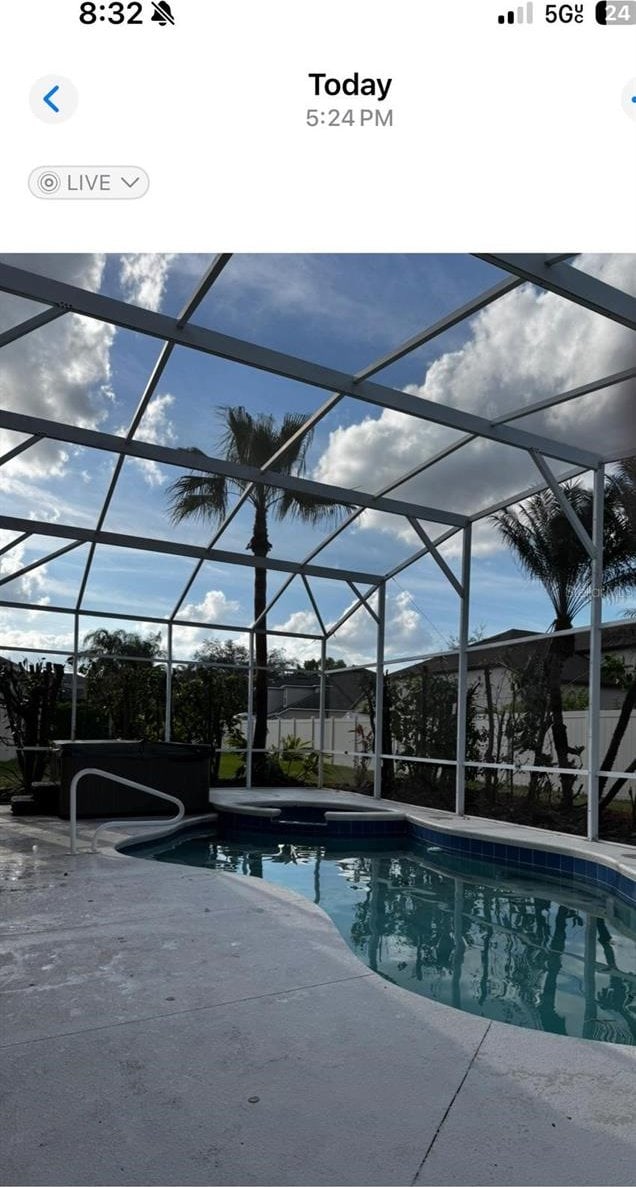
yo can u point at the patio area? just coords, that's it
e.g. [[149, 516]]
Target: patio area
[[167, 1025]]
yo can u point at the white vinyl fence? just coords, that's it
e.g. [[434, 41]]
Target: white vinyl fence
[[342, 738], [576, 725], [343, 743]]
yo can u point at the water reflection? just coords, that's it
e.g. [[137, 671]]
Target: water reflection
[[483, 938]]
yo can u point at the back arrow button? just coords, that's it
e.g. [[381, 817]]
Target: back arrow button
[[48, 99], [53, 99]]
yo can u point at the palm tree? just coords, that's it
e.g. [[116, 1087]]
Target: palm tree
[[128, 694], [253, 441], [625, 481], [549, 551]]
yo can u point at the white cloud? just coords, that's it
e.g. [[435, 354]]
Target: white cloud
[[355, 641], [157, 428], [35, 500], [61, 371], [31, 584], [303, 622], [15, 638], [143, 278], [524, 347], [214, 607]]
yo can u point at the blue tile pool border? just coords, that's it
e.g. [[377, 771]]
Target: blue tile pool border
[[545, 861], [384, 827]]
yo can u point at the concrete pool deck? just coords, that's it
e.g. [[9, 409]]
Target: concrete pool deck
[[167, 1025]]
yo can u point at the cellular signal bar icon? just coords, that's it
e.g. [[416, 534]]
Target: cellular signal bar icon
[[517, 16]]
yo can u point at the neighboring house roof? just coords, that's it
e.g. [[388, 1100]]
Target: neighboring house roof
[[512, 654], [67, 685], [345, 690]]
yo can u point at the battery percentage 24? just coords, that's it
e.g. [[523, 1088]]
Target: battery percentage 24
[[616, 13]]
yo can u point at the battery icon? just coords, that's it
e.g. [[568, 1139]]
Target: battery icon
[[608, 13]]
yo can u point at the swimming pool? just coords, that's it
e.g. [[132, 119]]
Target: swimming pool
[[503, 942]]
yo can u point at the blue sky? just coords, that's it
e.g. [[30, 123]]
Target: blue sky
[[345, 311]]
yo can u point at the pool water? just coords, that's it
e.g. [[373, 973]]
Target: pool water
[[487, 939]]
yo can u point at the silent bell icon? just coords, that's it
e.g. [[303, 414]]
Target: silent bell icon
[[162, 13]]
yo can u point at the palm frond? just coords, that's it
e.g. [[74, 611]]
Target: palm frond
[[297, 442], [549, 550], [198, 496], [253, 440], [307, 508], [624, 485]]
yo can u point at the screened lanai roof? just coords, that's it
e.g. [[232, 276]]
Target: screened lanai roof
[[435, 390]]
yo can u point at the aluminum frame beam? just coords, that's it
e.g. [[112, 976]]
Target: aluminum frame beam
[[440, 327], [574, 393], [249, 724], [362, 601], [150, 618], [43, 560], [596, 657], [527, 410], [437, 557], [462, 676], [158, 325], [379, 693], [14, 543], [314, 604], [171, 548], [210, 276], [188, 459], [322, 712], [18, 449], [564, 504], [33, 323], [167, 724], [571, 283]]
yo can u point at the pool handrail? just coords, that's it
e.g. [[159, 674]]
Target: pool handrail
[[162, 795]]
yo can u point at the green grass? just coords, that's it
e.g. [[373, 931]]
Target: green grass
[[229, 765], [335, 776], [10, 780], [9, 773]]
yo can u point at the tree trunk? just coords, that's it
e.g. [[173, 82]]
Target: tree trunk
[[260, 546], [534, 683], [552, 1021], [560, 650], [617, 786], [490, 780], [612, 750]]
